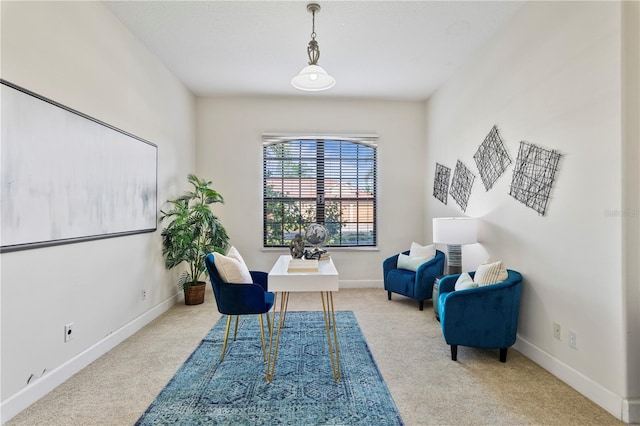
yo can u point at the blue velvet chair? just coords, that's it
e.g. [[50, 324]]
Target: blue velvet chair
[[416, 285], [241, 299], [481, 317]]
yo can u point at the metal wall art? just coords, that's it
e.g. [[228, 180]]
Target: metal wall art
[[441, 182], [491, 158], [533, 176], [461, 185]]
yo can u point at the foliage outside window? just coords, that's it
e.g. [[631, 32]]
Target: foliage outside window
[[331, 181]]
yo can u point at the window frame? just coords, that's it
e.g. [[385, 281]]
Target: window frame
[[320, 200]]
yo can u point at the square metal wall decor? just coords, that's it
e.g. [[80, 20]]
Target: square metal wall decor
[[491, 158], [461, 185], [441, 182], [533, 176]]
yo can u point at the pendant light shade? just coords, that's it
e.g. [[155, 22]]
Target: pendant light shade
[[313, 78]]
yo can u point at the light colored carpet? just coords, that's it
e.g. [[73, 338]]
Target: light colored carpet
[[427, 387]]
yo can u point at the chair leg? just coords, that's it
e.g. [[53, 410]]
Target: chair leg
[[503, 354], [454, 352], [388, 295], [235, 331], [264, 352], [226, 336], [421, 305]]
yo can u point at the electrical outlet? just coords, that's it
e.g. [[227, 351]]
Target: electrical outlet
[[143, 294], [573, 339], [557, 331], [68, 332]]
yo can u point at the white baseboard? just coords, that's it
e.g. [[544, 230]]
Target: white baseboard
[[631, 411], [36, 390], [625, 410], [361, 284]]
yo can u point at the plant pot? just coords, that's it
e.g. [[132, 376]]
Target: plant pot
[[194, 294]]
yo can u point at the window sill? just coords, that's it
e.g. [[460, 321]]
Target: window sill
[[285, 250]]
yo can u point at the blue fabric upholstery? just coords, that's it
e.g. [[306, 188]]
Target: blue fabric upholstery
[[481, 317], [416, 285], [240, 299], [235, 299]]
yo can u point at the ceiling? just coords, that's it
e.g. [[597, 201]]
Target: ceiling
[[400, 50]]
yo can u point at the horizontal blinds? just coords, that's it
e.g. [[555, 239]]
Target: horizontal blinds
[[328, 181]]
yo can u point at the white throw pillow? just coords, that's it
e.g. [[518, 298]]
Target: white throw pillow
[[233, 252], [490, 273], [417, 250], [464, 282], [231, 270], [410, 263]]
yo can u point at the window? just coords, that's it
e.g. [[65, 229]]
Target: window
[[331, 181]]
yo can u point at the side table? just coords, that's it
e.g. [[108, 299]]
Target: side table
[[434, 297]]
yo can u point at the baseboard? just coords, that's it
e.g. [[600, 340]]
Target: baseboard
[[606, 399], [361, 284], [631, 411], [33, 392]]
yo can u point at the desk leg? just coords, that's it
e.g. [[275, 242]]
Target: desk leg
[[273, 350], [332, 341]]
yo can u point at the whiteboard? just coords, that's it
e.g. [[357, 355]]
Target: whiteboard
[[67, 177]]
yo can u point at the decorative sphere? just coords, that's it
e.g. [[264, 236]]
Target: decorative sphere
[[316, 234]]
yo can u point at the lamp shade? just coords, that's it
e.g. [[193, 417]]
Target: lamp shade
[[313, 78], [455, 230]]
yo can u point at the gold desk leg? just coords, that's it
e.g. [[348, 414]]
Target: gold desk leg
[[286, 303], [273, 350], [330, 322], [271, 326]]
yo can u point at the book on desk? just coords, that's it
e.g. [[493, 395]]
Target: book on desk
[[303, 265]]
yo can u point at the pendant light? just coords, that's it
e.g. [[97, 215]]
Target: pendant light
[[313, 77]]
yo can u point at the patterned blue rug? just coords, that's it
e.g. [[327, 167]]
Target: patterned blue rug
[[205, 391]]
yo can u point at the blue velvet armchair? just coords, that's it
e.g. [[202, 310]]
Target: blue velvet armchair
[[234, 299], [416, 285], [481, 317]]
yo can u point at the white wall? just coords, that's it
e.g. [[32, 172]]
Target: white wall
[[78, 54], [229, 151], [552, 77], [631, 200]]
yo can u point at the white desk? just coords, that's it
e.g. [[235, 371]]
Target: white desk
[[325, 281]]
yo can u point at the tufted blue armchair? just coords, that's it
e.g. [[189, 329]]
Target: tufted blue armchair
[[481, 317], [235, 299], [416, 285]]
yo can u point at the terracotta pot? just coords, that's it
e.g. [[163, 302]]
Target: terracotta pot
[[194, 294]]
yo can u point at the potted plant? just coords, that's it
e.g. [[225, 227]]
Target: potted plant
[[191, 232]]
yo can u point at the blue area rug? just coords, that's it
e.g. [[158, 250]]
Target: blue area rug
[[206, 391]]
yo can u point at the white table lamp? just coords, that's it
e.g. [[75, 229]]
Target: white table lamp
[[454, 232]]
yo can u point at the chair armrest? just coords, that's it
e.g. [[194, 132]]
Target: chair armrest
[[242, 299], [261, 278], [432, 268], [391, 263], [447, 283], [426, 276]]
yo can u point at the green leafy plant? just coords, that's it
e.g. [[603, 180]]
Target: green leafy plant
[[192, 230]]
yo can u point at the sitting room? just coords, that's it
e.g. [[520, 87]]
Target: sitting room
[[520, 115]]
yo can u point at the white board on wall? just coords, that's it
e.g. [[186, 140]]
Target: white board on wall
[[67, 177]]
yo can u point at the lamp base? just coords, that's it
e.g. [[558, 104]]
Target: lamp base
[[454, 261]]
